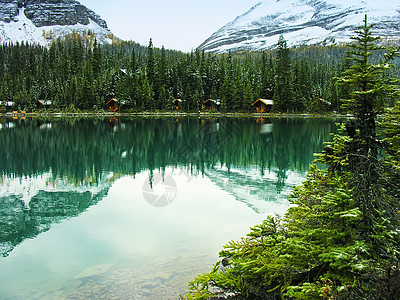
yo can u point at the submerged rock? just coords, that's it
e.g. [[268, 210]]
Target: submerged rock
[[93, 271]]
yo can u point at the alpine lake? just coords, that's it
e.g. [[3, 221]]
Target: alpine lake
[[134, 208]]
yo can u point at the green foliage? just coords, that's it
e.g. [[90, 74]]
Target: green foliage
[[368, 87], [79, 71], [391, 135], [283, 90], [340, 239]]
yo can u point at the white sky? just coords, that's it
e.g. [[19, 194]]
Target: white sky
[[176, 24]]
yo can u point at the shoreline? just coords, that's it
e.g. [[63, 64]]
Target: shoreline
[[168, 114]]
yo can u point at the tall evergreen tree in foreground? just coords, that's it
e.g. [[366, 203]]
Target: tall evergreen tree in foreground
[[369, 92], [341, 239]]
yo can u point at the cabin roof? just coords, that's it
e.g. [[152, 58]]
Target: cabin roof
[[325, 101], [7, 103], [265, 101], [111, 100], [45, 102], [215, 101]]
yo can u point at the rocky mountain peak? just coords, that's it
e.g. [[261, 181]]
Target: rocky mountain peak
[[26, 20], [49, 12], [303, 22]]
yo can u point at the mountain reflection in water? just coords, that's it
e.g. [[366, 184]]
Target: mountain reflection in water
[[55, 170]]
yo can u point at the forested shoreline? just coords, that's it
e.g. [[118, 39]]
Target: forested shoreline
[[77, 73], [340, 239]]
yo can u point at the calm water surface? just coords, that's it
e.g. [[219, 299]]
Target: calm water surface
[[135, 208]]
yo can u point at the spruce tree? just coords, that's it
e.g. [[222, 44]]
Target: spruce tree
[[248, 97], [227, 88], [283, 91], [150, 63], [267, 75], [368, 92], [97, 59], [340, 239]]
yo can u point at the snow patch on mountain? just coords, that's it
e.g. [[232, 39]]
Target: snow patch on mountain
[[303, 22], [21, 29], [27, 187]]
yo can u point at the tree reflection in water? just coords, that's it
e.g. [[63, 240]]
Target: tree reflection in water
[[56, 169]]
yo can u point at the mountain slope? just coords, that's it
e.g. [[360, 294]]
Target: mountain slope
[[303, 22], [39, 22]]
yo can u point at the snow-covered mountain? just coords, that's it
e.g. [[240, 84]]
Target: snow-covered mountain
[[304, 22], [265, 194], [31, 204], [40, 22]]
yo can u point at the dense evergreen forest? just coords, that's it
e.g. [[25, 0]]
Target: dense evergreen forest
[[340, 239], [78, 73]]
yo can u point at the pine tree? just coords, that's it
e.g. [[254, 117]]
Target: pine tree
[[162, 72], [368, 89], [340, 239], [162, 80], [248, 97], [283, 91], [97, 59], [238, 95], [134, 63], [150, 63], [390, 128], [146, 95], [267, 74], [227, 88]]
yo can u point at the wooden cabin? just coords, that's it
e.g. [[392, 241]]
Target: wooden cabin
[[263, 105], [112, 123], [211, 105], [43, 104], [112, 105], [178, 104], [320, 105]]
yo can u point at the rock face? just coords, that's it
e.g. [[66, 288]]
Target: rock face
[[8, 10], [304, 22], [66, 12], [26, 20], [49, 12]]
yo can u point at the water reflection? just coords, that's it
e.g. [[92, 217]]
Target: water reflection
[[47, 163], [77, 149], [53, 170]]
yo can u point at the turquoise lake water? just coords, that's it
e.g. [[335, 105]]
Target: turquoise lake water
[[134, 208]]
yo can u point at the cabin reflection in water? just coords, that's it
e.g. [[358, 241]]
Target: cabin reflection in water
[[255, 160]]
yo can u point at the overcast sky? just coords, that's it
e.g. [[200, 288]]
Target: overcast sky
[[176, 24]]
